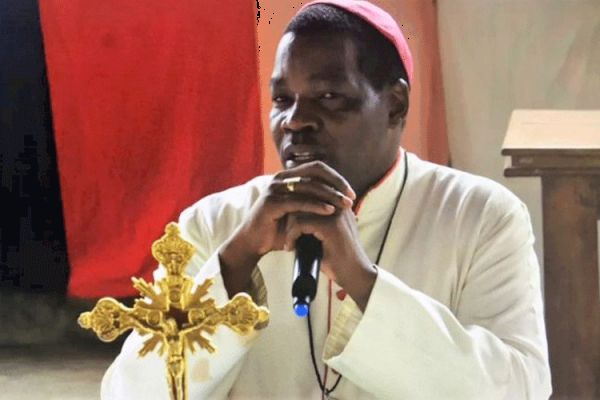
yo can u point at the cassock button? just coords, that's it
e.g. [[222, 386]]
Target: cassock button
[[341, 294]]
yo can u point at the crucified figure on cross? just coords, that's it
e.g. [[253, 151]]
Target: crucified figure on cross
[[172, 311]]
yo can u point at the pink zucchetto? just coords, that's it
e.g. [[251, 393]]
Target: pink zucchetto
[[380, 20]]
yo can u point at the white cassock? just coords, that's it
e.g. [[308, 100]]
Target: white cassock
[[455, 313]]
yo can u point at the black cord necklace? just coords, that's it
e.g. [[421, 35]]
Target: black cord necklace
[[326, 392]]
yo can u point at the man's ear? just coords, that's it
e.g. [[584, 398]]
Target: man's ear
[[398, 93]]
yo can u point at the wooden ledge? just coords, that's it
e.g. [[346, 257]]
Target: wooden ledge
[[552, 142]]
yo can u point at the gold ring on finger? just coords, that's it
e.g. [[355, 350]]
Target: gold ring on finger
[[290, 183]]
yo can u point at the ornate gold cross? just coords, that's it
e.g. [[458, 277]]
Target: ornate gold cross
[[173, 312]]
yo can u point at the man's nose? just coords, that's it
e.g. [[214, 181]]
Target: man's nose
[[300, 118]]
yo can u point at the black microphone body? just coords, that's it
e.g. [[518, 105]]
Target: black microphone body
[[309, 252]]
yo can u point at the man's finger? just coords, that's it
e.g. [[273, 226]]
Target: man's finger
[[322, 171], [312, 188], [280, 205], [302, 225]]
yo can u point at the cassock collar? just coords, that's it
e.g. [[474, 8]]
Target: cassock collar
[[380, 199]]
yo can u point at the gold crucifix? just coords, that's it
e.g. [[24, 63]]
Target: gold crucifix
[[173, 312]]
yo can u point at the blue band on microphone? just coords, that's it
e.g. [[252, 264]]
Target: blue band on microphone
[[301, 310]]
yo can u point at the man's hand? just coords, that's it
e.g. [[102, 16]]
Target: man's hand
[[344, 260], [321, 205]]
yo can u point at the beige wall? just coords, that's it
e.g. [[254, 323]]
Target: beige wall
[[502, 55]]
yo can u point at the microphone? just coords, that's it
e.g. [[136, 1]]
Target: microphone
[[309, 252]]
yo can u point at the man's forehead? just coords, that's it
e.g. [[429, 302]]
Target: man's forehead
[[327, 74], [320, 59], [316, 43]]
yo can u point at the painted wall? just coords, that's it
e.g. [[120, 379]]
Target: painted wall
[[502, 55]]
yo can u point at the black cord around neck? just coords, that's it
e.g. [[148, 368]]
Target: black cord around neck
[[325, 391]]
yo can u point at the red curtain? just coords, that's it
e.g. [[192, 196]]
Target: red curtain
[[155, 104]]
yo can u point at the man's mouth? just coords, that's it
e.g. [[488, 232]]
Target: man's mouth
[[295, 155], [303, 157]]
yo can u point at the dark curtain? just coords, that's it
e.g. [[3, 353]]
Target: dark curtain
[[32, 236]]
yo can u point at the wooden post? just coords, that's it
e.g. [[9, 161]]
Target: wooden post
[[563, 148]]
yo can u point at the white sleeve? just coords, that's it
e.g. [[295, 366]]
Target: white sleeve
[[209, 375], [408, 345]]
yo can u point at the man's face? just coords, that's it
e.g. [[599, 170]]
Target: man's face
[[325, 109]]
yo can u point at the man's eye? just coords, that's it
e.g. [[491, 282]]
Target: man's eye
[[330, 96], [280, 99], [333, 101]]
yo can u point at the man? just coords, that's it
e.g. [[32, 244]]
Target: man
[[431, 286]]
